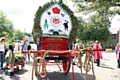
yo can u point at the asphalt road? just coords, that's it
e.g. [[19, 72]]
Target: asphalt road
[[106, 71]]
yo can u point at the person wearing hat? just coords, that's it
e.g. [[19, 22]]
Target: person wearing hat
[[2, 51], [78, 45], [97, 54]]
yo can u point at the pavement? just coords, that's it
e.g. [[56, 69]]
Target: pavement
[[108, 68], [106, 71]]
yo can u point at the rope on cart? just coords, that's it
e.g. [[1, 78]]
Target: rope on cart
[[42, 58], [86, 65], [42, 66]]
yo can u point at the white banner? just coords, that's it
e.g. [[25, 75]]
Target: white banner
[[55, 19]]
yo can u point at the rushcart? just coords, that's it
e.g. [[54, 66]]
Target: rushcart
[[55, 27], [19, 60]]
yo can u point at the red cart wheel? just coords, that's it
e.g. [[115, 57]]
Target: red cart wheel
[[66, 65]]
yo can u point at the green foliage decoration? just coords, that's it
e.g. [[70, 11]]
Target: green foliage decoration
[[37, 31]]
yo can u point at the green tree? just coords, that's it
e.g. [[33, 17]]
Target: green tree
[[18, 35], [95, 28], [82, 29], [6, 27], [28, 34], [99, 28], [88, 6]]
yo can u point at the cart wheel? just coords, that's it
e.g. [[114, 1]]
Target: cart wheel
[[40, 71], [66, 65]]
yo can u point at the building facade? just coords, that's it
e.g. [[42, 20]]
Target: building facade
[[114, 38]]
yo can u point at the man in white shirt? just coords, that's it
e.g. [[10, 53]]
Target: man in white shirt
[[16, 46], [79, 44]]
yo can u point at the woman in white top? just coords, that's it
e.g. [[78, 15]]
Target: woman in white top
[[2, 51], [16, 46], [79, 45]]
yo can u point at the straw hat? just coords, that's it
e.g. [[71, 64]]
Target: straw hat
[[96, 41], [77, 40], [2, 38]]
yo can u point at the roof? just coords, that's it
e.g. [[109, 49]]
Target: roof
[[115, 24], [114, 30]]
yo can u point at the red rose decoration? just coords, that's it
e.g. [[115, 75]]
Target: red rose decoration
[[56, 10]]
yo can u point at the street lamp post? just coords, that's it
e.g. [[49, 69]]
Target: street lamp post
[[24, 31]]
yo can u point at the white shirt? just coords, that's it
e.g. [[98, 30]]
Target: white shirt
[[2, 47], [79, 46], [76, 46], [33, 46], [17, 47]]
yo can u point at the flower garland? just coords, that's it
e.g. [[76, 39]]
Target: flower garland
[[37, 31]]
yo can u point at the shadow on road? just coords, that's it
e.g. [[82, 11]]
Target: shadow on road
[[62, 76], [106, 66], [106, 59], [15, 77], [116, 76], [21, 72]]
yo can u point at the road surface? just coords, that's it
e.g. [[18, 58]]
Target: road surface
[[106, 71]]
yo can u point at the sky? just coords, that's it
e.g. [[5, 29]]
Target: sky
[[22, 12]]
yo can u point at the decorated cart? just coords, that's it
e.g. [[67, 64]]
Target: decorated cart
[[19, 60], [55, 27]]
